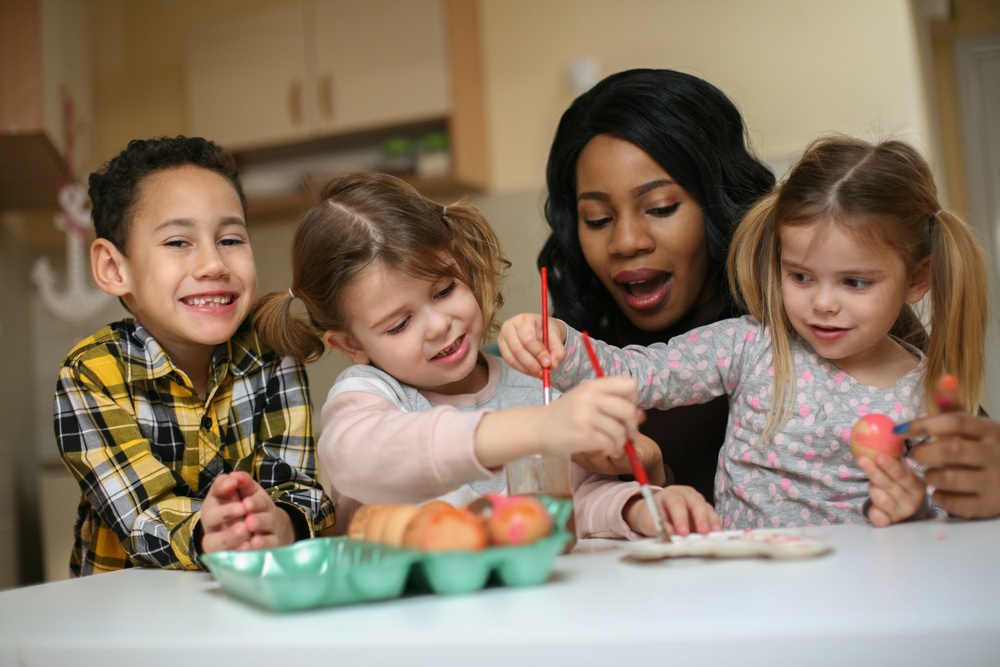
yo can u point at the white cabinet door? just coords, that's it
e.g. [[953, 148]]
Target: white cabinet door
[[379, 62], [247, 78]]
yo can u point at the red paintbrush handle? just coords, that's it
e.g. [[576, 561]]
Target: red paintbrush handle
[[545, 308], [637, 469]]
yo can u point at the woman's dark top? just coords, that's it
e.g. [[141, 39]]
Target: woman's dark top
[[690, 437]]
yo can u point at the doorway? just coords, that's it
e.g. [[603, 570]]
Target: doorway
[[977, 63]]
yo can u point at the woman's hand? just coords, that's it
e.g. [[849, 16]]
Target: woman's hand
[[963, 462], [649, 454], [962, 456], [520, 343]]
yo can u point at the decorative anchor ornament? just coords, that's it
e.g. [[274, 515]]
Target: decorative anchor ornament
[[79, 302]]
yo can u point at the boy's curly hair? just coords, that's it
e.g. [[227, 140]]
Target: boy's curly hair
[[114, 190]]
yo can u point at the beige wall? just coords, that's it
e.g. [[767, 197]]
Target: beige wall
[[796, 68]]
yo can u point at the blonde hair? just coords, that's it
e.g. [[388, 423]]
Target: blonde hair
[[885, 194], [363, 218]]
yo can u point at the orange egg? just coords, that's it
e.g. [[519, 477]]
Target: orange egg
[[516, 519], [396, 523], [358, 528], [873, 434], [438, 526]]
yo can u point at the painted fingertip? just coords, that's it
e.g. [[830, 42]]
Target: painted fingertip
[[901, 428]]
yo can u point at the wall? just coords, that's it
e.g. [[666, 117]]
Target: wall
[[20, 541], [795, 68]]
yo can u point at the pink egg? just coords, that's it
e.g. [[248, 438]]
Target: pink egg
[[872, 434]]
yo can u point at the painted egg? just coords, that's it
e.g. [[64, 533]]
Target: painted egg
[[873, 434], [439, 526], [513, 520]]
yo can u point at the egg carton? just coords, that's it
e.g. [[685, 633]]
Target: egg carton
[[331, 571]]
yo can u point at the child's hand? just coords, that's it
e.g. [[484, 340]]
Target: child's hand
[[895, 490], [269, 525], [649, 454], [223, 514], [682, 507], [520, 343], [596, 416]]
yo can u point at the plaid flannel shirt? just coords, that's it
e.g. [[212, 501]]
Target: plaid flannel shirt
[[145, 447]]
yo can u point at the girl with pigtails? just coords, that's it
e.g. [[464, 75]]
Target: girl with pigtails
[[408, 290], [829, 267]]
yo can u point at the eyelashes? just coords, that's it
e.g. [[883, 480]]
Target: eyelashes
[[655, 212]]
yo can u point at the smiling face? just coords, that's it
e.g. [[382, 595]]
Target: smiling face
[[642, 234], [189, 275], [424, 333], [843, 295]]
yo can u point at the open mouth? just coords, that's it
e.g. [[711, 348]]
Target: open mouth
[[208, 301], [827, 332], [451, 349], [644, 289]]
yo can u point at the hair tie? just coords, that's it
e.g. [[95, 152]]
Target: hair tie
[[444, 211], [291, 294], [939, 212]]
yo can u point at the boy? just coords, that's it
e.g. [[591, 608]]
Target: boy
[[186, 435]]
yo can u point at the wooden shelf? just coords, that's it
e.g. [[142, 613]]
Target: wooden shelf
[[264, 208], [31, 171], [278, 208]]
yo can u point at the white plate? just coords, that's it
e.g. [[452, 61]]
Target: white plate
[[732, 544]]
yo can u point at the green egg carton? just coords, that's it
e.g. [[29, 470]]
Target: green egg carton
[[313, 573], [332, 571]]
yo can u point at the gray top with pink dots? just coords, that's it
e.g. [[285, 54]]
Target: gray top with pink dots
[[802, 475]]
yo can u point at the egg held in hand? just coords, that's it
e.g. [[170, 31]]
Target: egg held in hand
[[873, 434], [513, 520]]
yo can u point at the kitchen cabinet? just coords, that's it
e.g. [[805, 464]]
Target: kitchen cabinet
[[315, 75], [316, 67], [379, 62], [44, 70]]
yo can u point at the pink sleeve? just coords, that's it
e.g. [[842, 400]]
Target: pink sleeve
[[598, 502], [344, 507], [374, 452]]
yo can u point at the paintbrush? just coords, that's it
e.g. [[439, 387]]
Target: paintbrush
[[637, 470], [546, 375]]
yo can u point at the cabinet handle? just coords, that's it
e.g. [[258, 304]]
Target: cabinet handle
[[326, 96], [295, 102]]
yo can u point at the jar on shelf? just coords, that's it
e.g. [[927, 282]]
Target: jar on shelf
[[434, 158], [398, 156]]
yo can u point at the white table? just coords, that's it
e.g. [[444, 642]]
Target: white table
[[916, 594]]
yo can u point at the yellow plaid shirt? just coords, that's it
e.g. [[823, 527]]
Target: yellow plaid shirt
[[145, 447]]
